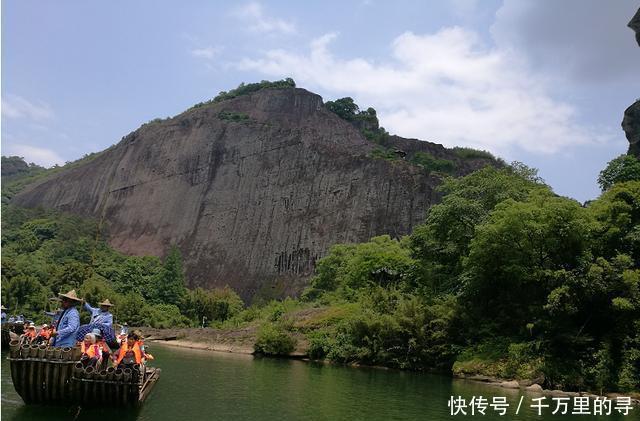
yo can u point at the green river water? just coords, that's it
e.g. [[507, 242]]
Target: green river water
[[203, 385]]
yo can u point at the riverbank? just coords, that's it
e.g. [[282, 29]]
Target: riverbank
[[238, 341], [242, 340]]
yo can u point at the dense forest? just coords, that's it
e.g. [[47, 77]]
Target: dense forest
[[504, 278]]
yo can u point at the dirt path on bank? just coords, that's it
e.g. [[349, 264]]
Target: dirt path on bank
[[239, 341]]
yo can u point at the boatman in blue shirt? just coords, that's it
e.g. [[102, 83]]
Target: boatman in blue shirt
[[69, 320], [100, 315]]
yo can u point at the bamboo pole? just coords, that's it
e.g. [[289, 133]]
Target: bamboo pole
[[88, 386], [42, 351], [136, 373], [76, 353], [24, 350], [49, 384], [14, 349], [27, 385], [126, 386], [55, 381], [16, 375], [39, 376], [49, 355], [66, 353], [103, 398], [33, 351], [117, 392], [76, 391], [65, 374]]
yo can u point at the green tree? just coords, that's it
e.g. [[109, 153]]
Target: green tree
[[170, 281], [620, 169], [24, 294], [345, 108], [131, 309], [514, 255], [617, 212], [164, 316], [442, 242]]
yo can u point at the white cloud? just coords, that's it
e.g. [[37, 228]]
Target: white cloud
[[14, 106], [41, 156], [207, 53], [257, 21], [446, 87]]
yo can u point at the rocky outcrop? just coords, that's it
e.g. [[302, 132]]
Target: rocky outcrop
[[631, 120], [634, 24], [631, 127], [253, 190]]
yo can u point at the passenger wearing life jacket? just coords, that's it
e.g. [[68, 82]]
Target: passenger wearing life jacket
[[91, 351], [44, 334], [106, 351], [30, 333], [131, 352]]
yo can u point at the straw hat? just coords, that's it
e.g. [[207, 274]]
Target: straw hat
[[31, 326], [106, 303], [71, 295]]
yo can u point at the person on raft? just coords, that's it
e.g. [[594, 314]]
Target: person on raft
[[131, 352], [29, 334], [44, 335], [68, 322], [102, 320], [104, 348], [100, 315], [91, 351]]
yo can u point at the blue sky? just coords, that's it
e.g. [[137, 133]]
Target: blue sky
[[538, 81]]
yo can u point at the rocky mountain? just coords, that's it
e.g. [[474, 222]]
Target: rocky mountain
[[253, 189]]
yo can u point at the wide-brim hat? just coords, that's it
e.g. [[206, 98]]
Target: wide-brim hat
[[71, 295], [106, 303]]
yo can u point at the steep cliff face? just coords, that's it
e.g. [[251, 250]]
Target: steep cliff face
[[631, 127], [631, 120], [253, 190], [634, 24]]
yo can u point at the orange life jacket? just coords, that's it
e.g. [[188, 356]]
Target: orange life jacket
[[103, 346], [30, 333], [92, 351], [136, 352], [44, 333]]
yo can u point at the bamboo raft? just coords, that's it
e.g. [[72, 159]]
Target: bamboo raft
[[44, 374]]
